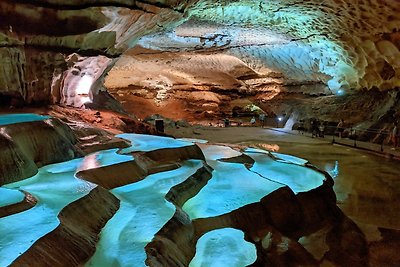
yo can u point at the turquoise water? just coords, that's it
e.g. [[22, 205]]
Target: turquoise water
[[298, 177], [144, 143], [54, 186], [232, 186], [143, 207], [10, 196], [6, 119], [143, 212]]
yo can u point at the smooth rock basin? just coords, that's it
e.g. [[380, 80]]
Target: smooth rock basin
[[144, 210], [218, 247]]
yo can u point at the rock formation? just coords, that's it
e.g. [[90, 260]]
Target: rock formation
[[283, 205], [80, 225], [341, 44], [88, 190], [28, 202], [29, 145]]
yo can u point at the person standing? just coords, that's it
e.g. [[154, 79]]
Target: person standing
[[227, 122], [340, 128], [395, 135], [321, 129], [261, 117], [253, 120], [314, 128]]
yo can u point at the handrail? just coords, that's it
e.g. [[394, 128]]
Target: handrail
[[369, 130], [356, 132]]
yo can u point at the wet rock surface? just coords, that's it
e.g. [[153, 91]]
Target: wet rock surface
[[29, 145], [28, 202], [190, 59], [73, 241], [160, 181]]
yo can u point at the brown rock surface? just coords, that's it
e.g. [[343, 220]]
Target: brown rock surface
[[277, 224], [28, 202], [175, 243], [34, 144], [342, 44], [142, 165], [74, 240]]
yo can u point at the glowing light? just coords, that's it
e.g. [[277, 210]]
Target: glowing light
[[340, 92], [83, 88], [280, 118]]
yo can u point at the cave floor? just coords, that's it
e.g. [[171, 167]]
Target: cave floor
[[367, 185]]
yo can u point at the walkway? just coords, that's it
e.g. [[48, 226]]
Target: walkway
[[379, 149]]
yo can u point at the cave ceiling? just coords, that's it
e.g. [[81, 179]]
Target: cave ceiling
[[345, 44]]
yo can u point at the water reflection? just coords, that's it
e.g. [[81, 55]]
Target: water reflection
[[367, 186]]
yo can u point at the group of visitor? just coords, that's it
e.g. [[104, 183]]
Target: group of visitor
[[261, 118], [226, 122]]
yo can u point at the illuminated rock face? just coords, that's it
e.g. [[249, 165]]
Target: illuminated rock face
[[348, 41], [82, 81], [340, 43]]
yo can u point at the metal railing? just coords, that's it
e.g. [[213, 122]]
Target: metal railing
[[358, 135]]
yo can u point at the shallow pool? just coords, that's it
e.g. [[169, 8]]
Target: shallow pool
[[6, 119]]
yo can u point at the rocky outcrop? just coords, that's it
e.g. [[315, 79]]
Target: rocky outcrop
[[33, 57], [26, 146], [282, 225], [274, 225], [12, 83], [27, 74], [77, 85], [29, 145], [142, 165], [15, 165], [210, 86], [80, 226], [174, 244], [348, 42], [343, 45], [82, 120], [28, 202]]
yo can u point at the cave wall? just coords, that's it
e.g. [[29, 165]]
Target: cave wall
[[343, 44], [37, 39], [356, 43]]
